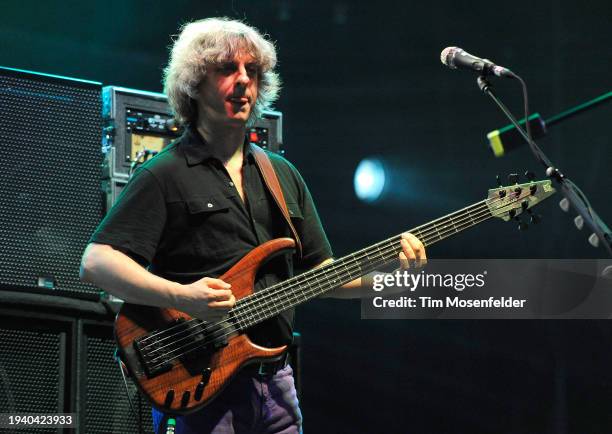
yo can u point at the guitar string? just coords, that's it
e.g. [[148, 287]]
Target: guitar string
[[367, 251], [251, 298], [289, 296], [354, 268], [473, 213], [467, 213], [199, 344], [293, 297], [254, 298]]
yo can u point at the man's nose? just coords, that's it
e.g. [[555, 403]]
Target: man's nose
[[243, 76]]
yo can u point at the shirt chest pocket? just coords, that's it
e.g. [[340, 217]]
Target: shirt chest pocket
[[210, 224], [207, 206]]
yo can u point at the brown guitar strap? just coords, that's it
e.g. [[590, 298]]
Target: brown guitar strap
[[271, 181]]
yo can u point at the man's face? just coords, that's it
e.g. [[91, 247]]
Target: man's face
[[229, 91]]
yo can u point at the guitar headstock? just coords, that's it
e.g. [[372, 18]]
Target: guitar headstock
[[510, 201]]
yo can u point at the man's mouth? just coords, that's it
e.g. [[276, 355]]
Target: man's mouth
[[239, 99]]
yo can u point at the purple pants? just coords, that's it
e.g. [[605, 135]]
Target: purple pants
[[249, 405]]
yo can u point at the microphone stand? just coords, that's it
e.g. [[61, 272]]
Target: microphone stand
[[571, 192]]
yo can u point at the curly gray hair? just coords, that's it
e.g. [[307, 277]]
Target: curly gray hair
[[211, 41]]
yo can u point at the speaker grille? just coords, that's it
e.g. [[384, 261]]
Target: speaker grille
[[31, 379], [108, 409], [49, 177]]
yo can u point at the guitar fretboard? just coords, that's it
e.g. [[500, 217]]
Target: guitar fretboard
[[271, 301]]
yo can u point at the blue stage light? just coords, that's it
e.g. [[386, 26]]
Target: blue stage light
[[369, 180]]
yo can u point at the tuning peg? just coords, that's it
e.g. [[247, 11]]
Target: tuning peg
[[513, 178], [534, 218], [533, 188], [530, 175], [564, 204], [518, 191], [579, 222], [594, 240]]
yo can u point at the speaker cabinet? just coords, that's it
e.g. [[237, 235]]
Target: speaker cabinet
[[49, 178], [58, 357]]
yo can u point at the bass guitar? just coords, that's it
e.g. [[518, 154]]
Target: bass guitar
[[181, 363]]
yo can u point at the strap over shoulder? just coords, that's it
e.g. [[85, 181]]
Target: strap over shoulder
[[271, 181]]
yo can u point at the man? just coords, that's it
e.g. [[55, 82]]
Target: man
[[194, 210]]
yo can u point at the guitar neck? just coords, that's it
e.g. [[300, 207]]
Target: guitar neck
[[271, 301]]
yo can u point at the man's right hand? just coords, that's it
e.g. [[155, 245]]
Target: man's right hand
[[112, 270], [208, 299]]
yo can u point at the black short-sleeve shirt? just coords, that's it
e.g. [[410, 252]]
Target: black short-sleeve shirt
[[181, 216]]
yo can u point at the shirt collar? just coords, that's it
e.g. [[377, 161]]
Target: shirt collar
[[196, 151]]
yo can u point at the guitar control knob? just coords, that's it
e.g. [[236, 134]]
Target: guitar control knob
[[185, 398], [206, 375], [564, 204], [169, 398], [199, 390]]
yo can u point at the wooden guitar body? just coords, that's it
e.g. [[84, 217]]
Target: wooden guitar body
[[186, 383]]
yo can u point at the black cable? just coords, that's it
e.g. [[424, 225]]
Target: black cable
[[541, 157], [127, 392], [525, 106]]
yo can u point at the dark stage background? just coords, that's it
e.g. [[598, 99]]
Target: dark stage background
[[364, 78]]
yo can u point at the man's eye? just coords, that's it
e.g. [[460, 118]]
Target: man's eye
[[227, 68]]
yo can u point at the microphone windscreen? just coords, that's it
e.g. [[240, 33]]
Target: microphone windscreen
[[446, 54]]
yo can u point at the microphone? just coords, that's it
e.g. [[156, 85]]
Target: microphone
[[455, 57]]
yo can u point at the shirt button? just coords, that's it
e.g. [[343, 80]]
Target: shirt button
[[210, 205], [231, 184]]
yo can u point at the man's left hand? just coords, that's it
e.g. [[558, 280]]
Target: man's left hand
[[413, 252]]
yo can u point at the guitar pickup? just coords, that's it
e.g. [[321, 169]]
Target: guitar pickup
[[159, 348], [185, 341], [147, 351]]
